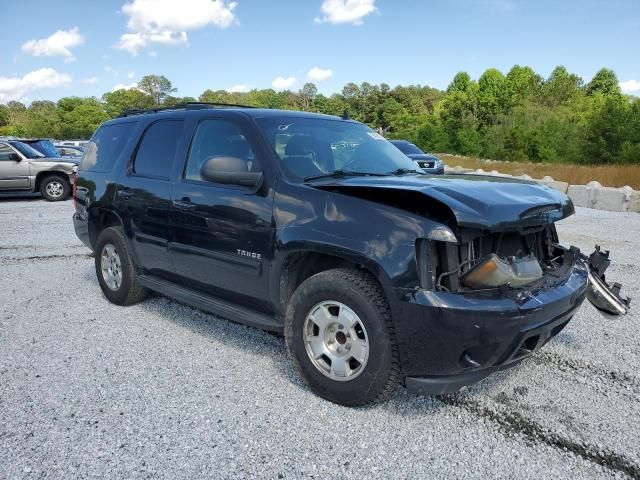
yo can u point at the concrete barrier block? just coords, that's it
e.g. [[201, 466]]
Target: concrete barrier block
[[610, 198], [555, 184], [594, 195], [578, 195], [634, 201], [457, 169]]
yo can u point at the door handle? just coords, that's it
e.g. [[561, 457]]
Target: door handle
[[124, 194], [184, 204]]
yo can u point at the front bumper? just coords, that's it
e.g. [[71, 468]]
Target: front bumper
[[449, 340], [438, 170]]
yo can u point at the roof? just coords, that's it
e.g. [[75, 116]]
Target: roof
[[203, 106]]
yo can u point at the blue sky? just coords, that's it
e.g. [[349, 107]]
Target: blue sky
[[201, 44]]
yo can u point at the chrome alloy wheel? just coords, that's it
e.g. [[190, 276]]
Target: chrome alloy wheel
[[336, 341], [111, 267], [54, 189]]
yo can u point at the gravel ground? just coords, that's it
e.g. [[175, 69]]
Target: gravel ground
[[89, 389]]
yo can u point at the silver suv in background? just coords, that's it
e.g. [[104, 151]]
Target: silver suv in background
[[24, 169]]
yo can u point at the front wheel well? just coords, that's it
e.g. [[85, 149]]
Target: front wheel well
[[301, 265], [49, 173]]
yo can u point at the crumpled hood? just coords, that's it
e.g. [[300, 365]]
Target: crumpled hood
[[474, 200]]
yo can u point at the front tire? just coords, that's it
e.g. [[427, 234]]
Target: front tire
[[55, 188], [115, 269], [340, 335]]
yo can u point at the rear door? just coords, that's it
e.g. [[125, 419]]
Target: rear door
[[222, 234], [144, 198], [14, 174]]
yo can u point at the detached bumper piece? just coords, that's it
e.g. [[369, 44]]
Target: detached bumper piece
[[606, 298]]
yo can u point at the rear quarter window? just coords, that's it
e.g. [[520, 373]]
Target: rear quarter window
[[105, 147]]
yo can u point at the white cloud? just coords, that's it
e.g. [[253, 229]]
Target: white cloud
[[239, 88], [57, 44], [15, 88], [131, 75], [90, 80], [317, 74], [153, 54], [123, 86], [167, 22], [630, 87], [345, 11], [281, 83]]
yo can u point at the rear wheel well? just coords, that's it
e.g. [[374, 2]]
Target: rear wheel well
[[99, 219], [302, 265]]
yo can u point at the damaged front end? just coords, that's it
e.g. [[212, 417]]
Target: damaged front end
[[524, 261]]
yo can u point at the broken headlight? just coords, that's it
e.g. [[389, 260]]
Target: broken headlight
[[606, 298], [494, 271]]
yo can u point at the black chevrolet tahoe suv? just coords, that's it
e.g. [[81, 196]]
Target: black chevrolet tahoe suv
[[319, 228]]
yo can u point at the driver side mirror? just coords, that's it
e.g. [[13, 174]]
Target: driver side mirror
[[229, 170], [15, 157]]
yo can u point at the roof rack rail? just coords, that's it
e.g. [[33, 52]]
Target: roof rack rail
[[183, 106]]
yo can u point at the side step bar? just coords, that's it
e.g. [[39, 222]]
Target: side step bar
[[216, 306]]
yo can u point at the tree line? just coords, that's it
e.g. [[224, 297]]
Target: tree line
[[519, 116]]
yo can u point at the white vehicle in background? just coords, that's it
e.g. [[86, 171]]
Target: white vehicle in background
[[70, 143]]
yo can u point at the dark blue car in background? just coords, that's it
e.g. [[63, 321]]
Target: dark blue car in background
[[429, 163], [43, 145]]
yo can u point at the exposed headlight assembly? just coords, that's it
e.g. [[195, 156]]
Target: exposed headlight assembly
[[493, 272]]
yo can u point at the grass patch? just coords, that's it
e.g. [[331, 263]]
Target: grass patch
[[607, 175]]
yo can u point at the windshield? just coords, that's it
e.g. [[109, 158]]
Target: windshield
[[26, 150], [310, 147], [408, 148]]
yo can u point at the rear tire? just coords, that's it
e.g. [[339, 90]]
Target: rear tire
[[55, 188], [115, 269], [340, 317]]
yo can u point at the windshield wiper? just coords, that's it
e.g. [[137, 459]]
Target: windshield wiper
[[344, 173], [403, 171]]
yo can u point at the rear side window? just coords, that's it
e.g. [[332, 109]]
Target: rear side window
[[157, 149], [105, 147]]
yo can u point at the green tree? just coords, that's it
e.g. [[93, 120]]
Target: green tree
[[561, 87], [307, 94], [171, 101], [491, 98], [5, 116], [115, 103], [520, 85], [78, 117], [41, 119], [158, 87], [605, 82]]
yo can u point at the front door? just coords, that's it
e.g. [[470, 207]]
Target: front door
[[222, 234], [14, 174]]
